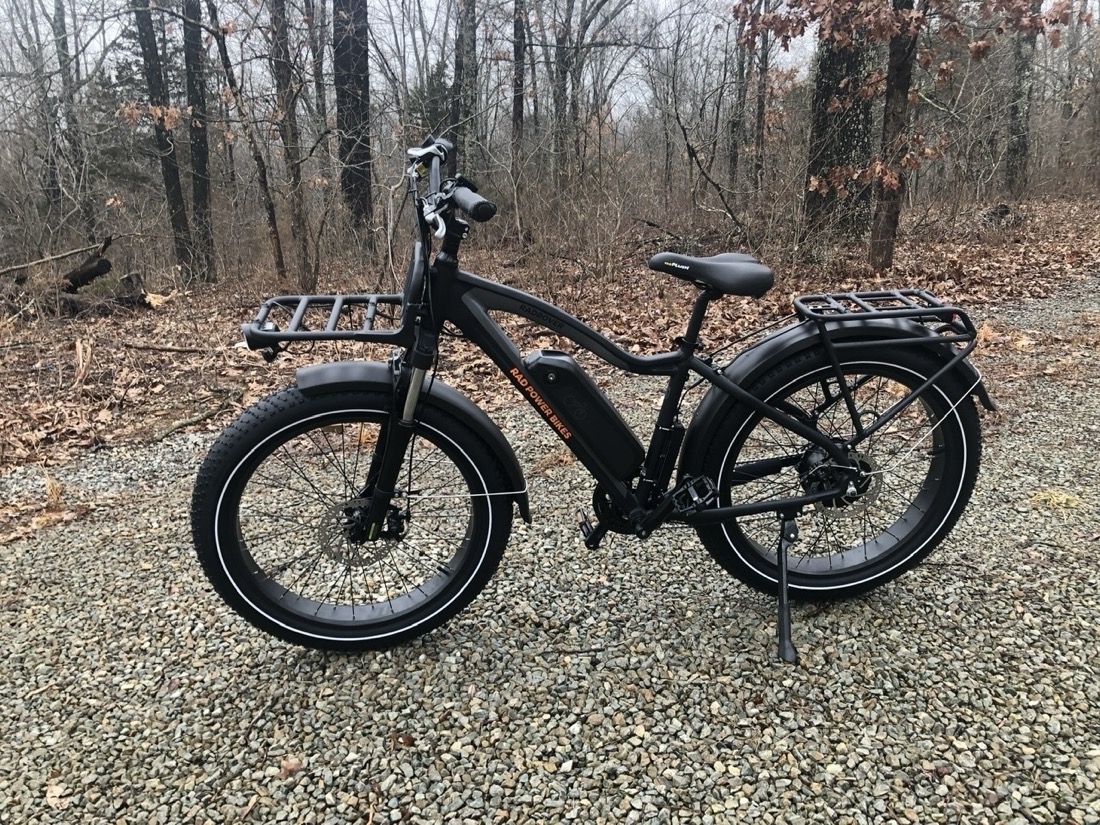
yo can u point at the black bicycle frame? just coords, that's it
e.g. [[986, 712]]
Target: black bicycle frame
[[446, 294], [466, 300]]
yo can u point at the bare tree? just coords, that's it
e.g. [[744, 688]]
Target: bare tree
[[1019, 104], [287, 116], [351, 74], [890, 183], [247, 121], [840, 139], [464, 104], [194, 60], [163, 115], [71, 131], [317, 27]]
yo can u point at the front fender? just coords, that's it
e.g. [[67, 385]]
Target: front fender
[[350, 376], [755, 361]]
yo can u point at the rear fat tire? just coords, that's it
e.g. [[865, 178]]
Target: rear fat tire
[[273, 527], [921, 481]]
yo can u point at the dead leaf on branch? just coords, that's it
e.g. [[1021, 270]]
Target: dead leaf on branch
[[980, 48]]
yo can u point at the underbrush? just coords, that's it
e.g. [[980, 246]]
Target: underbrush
[[95, 380]]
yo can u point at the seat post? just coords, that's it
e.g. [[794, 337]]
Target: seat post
[[690, 338]]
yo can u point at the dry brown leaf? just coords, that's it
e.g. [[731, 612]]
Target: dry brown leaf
[[157, 301], [290, 766], [57, 796]]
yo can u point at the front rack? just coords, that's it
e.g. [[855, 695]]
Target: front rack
[[950, 323], [289, 318]]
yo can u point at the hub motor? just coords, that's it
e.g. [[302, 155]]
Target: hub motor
[[861, 482]]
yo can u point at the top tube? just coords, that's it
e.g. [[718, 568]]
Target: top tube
[[481, 293]]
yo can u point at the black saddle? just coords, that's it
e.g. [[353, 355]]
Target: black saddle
[[731, 273]]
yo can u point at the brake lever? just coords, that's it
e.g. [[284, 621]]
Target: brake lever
[[431, 215]]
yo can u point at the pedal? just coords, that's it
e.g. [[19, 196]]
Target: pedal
[[585, 525], [693, 495], [592, 533]]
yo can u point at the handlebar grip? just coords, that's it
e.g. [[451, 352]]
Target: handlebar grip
[[473, 204]]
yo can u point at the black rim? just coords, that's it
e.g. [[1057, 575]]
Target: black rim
[[295, 535], [906, 463]]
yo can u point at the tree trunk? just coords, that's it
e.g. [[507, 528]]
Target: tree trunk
[[761, 108], [247, 126], [72, 132], [890, 184], [519, 54], [840, 143], [350, 69], [1017, 150], [166, 148], [532, 63], [561, 70], [735, 128], [464, 91], [287, 96], [194, 58], [317, 26]]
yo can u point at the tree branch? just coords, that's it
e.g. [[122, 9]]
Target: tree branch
[[59, 256], [694, 155]]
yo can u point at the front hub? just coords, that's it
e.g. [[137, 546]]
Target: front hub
[[344, 534]]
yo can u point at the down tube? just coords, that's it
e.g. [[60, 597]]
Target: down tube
[[473, 319]]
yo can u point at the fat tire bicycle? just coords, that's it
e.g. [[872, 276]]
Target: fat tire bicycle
[[369, 502]]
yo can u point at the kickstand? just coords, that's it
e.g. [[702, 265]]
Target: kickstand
[[788, 535]]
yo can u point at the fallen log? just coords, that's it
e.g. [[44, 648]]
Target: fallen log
[[93, 267]]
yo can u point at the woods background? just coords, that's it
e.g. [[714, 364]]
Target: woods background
[[216, 139]]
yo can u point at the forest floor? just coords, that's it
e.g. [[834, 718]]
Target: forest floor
[[136, 375], [619, 684]]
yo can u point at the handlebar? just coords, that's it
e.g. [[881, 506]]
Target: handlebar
[[473, 204], [436, 206]]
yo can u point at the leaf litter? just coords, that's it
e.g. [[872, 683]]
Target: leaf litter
[[139, 375]]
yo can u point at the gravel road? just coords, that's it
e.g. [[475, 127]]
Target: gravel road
[[636, 683]]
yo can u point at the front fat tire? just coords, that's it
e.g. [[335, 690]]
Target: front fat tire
[[274, 498], [918, 495]]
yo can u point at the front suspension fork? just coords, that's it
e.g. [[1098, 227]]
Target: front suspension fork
[[397, 433]]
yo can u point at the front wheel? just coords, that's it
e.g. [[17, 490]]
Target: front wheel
[[279, 521], [918, 471]]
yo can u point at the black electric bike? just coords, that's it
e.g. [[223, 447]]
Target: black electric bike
[[370, 502]]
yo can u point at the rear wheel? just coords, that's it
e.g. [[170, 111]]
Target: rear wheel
[[278, 519], [918, 472]]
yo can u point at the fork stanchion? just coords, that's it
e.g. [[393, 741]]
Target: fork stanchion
[[788, 535]]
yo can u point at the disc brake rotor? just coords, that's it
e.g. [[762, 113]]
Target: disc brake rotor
[[342, 535], [861, 495]]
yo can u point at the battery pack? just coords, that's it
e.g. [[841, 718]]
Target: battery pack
[[585, 411]]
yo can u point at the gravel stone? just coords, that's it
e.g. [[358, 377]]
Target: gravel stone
[[634, 683]]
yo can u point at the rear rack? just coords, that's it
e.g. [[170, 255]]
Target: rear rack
[[950, 323], [288, 318]]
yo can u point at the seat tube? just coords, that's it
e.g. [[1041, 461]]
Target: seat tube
[[664, 446]]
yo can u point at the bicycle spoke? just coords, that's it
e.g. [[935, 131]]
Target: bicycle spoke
[[297, 520]]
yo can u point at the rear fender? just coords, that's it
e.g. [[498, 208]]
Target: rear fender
[[352, 376], [754, 362]]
